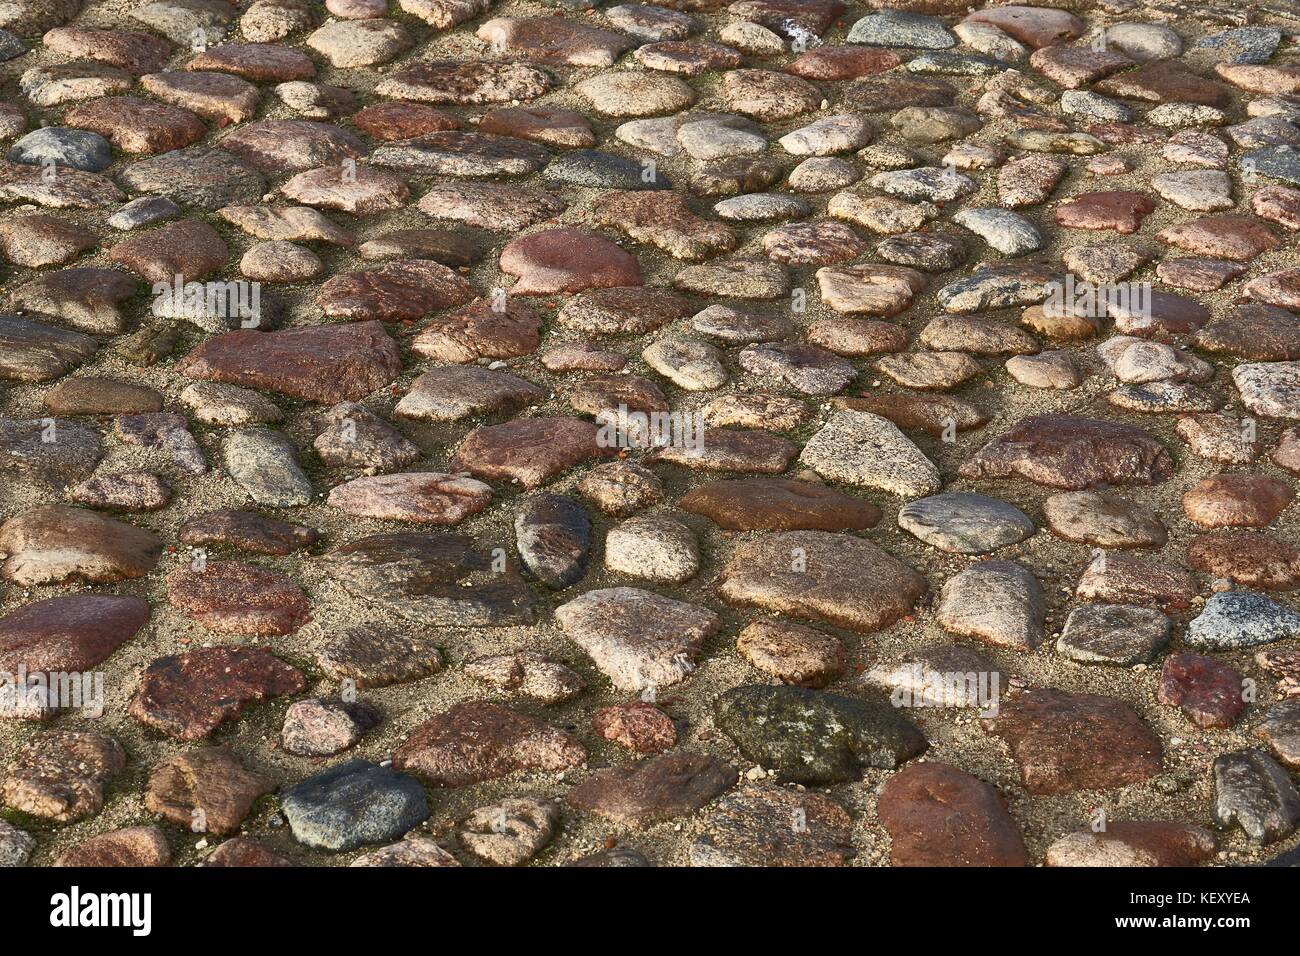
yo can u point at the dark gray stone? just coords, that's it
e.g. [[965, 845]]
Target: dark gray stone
[[353, 804]]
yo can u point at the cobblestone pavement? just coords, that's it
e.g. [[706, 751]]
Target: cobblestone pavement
[[458, 433]]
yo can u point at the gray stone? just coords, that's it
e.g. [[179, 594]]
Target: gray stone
[[999, 602], [1254, 792], [1232, 620], [1113, 634], [553, 535], [961, 522], [353, 804], [77, 148], [899, 28], [859, 448], [265, 464], [813, 737], [1007, 232]]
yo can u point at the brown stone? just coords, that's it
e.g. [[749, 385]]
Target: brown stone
[[937, 815], [137, 125], [792, 653], [477, 741], [1243, 501], [1066, 451], [1134, 843], [1121, 211], [189, 695], [134, 846], [1066, 742], [322, 363], [779, 504], [530, 451], [1129, 579], [911, 411], [1239, 238], [567, 260], [567, 129], [1208, 691], [205, 790], [258, 62], [638, 726], [36, 241], [68, 634], [231, 597], [835, 578], [392, 121], [246, 531], [1252, 559], [393, 292], [279, 146], [190, 249], [242, 851], [1166, 81], [51, 544], [421, 498], [663, 220], [60, 775], [101, 396], [654, 790], [131, 50], [843, 62]]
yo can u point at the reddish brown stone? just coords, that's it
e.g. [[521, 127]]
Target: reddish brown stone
[[133, 51], [190, 249], [567, 129], [68, 634], [638, 726], [477, 741], [259, 62], [134, 846], [1121, 211], [1073, 67], [1208, 691], [60, 775], [136, 125], [292, 145], [1066, 451], [916, 412], [937, 815], [528, 450], [242, 851], [1239, 238], [779, 504], [399, 290], [231, 597], [1241, 501], [567, 260], [480, 331], [189, 695], [246, 531], [1253, 559], [1066, 742], [1134, 843], [654, 790], [322, 363], [1035, 26], [392, 121], [843, 62], [1165, 81], [205, 790]]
